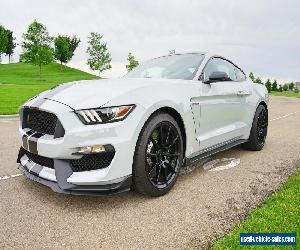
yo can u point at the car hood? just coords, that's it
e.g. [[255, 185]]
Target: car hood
[[96, 93]]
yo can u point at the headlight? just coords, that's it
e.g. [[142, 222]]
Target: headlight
[[104, 115]]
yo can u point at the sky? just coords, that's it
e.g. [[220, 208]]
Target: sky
[[262, 36]]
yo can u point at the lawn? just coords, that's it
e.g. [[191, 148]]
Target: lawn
[[286, 93], [280, 213], [21, 81]]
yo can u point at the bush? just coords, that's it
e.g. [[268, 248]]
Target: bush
[[291, 86], [296, 90], [285, 87]]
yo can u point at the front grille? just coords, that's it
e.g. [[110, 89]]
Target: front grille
[[86, 163], [41, 160], [39, 121], [92, 162]]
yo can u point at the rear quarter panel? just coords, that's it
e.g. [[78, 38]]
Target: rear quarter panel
[[258, 95]]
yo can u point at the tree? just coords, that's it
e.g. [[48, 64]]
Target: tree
[[280, 89], [3, 40], [132, 62], [285, 87], [10, 47], [64, 47], [99, 58], [291, 86], [74, 42], [296, 90], [258, 80], [268, 85], [36, 46], [62, 50], [274, 86], [252, 77]]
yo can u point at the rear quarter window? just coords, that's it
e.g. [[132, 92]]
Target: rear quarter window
[[240, 75]]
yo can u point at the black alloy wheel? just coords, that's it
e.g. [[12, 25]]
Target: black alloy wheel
[[262, 125], [162, 154], [259, 129], [158, 155]]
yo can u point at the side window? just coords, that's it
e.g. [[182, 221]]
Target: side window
[[240, 75], [219, 65]]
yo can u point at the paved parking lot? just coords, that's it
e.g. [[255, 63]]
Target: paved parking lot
[[201, 206]]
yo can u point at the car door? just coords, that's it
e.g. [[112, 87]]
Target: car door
[[221, 108]]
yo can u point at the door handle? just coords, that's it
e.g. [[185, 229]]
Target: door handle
[[243, 93]]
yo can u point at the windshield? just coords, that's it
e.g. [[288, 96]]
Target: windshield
[[171, 67]]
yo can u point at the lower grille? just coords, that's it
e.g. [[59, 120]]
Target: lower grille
[[86, 163], [41, 160], [92, 162]]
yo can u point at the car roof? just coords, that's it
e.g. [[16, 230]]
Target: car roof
[[178, 54], [206, 54]]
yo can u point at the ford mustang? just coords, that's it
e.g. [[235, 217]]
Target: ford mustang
[[110, 135]]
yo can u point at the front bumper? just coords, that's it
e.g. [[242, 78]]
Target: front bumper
[[57, 179], [121, 135]]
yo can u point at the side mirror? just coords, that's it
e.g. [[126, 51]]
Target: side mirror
[[218, 76]]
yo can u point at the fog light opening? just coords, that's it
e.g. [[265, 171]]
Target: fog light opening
[[95, 149]]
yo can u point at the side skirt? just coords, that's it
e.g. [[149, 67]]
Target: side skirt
[[196, 159]]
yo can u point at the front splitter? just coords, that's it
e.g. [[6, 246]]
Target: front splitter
[[102, 190]]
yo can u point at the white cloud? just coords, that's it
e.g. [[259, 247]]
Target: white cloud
[[261, 36]]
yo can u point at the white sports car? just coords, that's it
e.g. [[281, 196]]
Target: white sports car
[[107, 136]]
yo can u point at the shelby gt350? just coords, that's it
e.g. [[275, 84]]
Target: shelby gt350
[[109, 135]]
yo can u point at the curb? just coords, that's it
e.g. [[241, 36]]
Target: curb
[[8, 117]]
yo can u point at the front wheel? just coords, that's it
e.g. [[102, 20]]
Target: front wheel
[[158, 156], [259, 130]]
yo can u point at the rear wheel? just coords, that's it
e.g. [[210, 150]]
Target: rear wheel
[[259, 130], [158, 156]]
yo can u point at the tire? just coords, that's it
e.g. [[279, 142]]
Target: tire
[[258, 131], [156, 162]]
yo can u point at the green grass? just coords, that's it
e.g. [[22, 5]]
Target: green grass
[[21, 81], [280, 213], [286, 93]]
